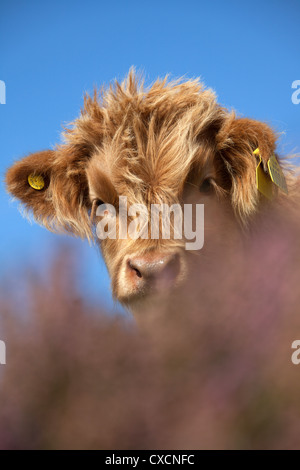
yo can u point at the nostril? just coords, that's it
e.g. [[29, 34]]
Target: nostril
[[154, 268], [135, 269]]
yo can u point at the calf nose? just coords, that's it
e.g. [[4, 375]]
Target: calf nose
[[153, 270]]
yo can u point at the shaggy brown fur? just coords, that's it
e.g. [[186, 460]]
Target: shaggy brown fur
[[150, 145]]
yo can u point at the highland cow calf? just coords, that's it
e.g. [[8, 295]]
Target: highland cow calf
[[171, 144]]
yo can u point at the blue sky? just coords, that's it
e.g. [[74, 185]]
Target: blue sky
[[52, 52]]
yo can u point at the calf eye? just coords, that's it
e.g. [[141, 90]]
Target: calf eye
[[206, 185], [95, 204], [98, 202]]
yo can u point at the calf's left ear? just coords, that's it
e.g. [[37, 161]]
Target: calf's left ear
[[52, 185], [236, 142]]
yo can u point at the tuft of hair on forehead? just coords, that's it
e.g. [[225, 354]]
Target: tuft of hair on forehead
[[148, 138]]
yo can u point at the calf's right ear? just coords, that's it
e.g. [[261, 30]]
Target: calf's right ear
[[52, 185]]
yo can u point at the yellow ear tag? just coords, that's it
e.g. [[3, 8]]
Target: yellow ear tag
[[36, 182], [276, 174], [263, 182]]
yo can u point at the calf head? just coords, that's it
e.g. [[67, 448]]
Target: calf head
[[168, 144]]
